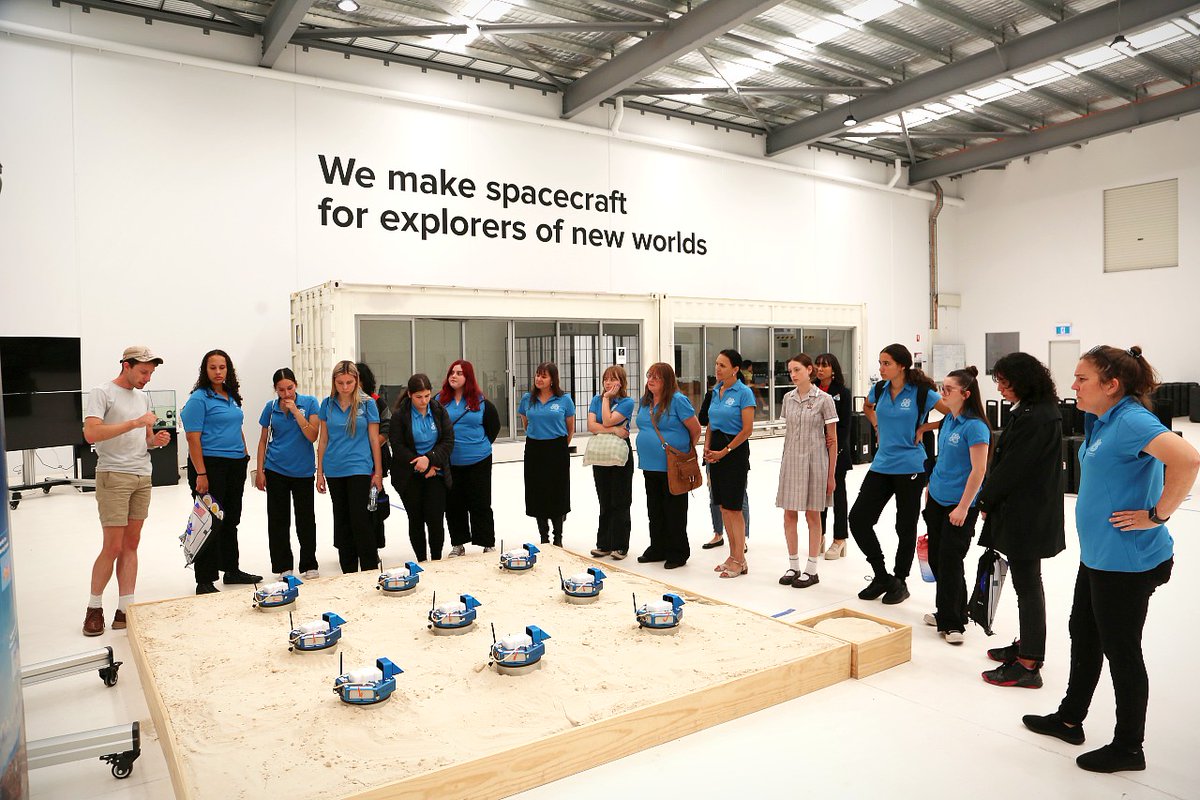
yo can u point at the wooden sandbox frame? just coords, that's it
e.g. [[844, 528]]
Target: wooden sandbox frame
[[535, 762], [882, 652]]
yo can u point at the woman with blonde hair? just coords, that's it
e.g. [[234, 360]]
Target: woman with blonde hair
[[349, 463], [610, 412]]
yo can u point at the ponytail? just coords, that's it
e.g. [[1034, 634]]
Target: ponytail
[[1128, 367], [968, 378], [903, 357]]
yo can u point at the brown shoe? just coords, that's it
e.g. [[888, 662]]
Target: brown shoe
[[118, 623], [93, 623]]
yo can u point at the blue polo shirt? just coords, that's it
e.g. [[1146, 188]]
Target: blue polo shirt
[[651, 456], [725, 410], [289, 452], [218, 420], [1115, 475], [471, 444], [624, 407], [424, 430], [955, 440], [547, 420], [898, 452], [346, 455]]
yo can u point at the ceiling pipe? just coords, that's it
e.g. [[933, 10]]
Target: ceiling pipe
[[138, 51], [895, 175], [618, 115]]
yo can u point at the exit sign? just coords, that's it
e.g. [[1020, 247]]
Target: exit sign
[[1063, 329]]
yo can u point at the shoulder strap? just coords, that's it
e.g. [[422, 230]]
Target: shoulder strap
[[922, 414], [877, 391]]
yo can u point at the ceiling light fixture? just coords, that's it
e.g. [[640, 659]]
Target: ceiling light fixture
[[850, 121], [349, 6], [1120, 43]]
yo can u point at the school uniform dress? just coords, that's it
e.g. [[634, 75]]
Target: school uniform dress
[[547, 459], [844, 404], [614, 485], [1118, 570], [667, 512], [218, 420], [428, 434], [469, 502], [348, 465], [949, 543], [289, 469], [898, 469], [724, 423], [804, 465]]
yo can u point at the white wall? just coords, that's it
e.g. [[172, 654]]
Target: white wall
[[1027, 251], [176, 205]]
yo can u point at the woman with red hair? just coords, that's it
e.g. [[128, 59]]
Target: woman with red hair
[[476, 423]]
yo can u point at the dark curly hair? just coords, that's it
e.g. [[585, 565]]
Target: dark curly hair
[[1029, 379], [232, 388]]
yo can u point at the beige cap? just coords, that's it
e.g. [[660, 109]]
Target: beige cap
[[140, 353]]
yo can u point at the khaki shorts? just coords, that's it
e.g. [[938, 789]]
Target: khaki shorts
[[121, 497]]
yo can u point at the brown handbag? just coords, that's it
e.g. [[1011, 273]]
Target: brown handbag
[[683, 467]]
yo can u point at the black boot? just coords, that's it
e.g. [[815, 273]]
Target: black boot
[[1112, 758]]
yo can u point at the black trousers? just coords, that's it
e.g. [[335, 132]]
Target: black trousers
[[877, 489], [668, 520], [299, 491], [353, 529], [1107, 617], [948, 546], [226, 482], [469, 505], [1026, 577], [614, 489], [425, 503], [841, 526]]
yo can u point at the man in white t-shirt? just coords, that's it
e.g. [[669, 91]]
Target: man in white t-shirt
[[119, 422]]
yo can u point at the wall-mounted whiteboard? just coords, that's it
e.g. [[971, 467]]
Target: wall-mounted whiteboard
[[947, 358]]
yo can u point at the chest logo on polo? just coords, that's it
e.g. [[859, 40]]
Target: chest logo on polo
[[906, 402], [1091, 451], [555, 406], [955, 437], [729, 401]]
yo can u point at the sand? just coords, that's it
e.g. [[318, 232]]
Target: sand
[[852, 629], [246, 714]]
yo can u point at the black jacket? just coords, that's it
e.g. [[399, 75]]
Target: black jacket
[[844, 404], [404, 448], [1023, 491]]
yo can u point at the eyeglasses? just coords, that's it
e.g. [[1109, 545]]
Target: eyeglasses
[[948, 389]]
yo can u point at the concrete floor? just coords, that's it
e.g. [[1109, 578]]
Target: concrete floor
[[929, 728]]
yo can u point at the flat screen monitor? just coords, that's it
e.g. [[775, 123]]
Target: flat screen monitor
[[42, 419], [40, 364]]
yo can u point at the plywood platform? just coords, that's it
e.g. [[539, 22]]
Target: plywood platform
[[236, 711]]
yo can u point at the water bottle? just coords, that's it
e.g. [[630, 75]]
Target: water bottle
[[923, 558], [372, 504]]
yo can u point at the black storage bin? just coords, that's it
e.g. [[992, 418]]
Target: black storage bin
[[862, 439], [1194, 402], [1005, 410], [1071, 423], [1164, 409], [1076, 442]]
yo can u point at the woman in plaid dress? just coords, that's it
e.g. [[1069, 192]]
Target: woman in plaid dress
[[807, 469]]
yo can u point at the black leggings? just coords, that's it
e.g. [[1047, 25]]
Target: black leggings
[[280, 489], [1107, 617], [226, 481], [876, 490], [1026, 575], [948, 546]]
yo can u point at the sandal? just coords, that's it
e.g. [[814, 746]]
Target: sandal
[[724, 565], [718, 541], [729, 572], [789, 576]]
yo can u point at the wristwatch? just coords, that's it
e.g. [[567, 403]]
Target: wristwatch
[[1157, 520]]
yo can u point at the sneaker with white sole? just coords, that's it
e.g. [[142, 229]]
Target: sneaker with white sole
[[457, 550], [284, 574], [489, 549], [953, 637], [930, 619], [311, 574]]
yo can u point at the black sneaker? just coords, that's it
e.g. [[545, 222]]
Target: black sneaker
[[645, 559], [674, 564], [1014, 674], [1112, 758], [1006, 654], [1052, 725], [877, 587], [897, 594], [545, 538], [236, 576], [558, 540], [205, 588]]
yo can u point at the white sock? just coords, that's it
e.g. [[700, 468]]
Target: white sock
[[123, 602], [95, 601], [794, 562], [811, 566]]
